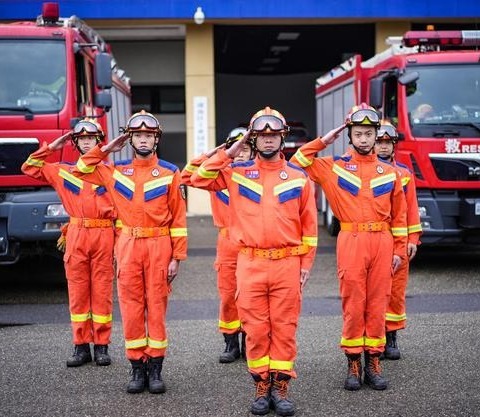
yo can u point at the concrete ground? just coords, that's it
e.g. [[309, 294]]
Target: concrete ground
[[437, 375]]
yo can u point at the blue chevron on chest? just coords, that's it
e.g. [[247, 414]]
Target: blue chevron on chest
[[157, 187], [289, 190], [99, 189], [346, 180], [383, 184], [223, 196], [70, 182], [123, 185], [248, 188]]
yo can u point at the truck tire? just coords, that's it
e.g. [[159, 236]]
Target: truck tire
[[331, 222]]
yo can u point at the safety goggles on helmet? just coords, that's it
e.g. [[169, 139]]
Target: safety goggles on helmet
[[365, 117], [271, 122], [149, 122], [388, 131], [87, 127]]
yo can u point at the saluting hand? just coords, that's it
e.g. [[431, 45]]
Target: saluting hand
[[59, 143], [237, 147], [116, 144], [333, 135]]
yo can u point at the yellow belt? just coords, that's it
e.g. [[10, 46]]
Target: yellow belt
[[91, 222], [142, 232], [364, 227], [276, 253]]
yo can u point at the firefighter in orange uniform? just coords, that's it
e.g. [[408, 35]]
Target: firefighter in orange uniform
[[366, 196], [273, 219], [153, 240], [396, 310], [227, 252], [88, 255]]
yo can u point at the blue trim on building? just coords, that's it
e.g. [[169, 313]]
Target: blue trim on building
[[246, 9]]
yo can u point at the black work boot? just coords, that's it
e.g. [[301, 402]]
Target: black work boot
[[391, 348], [261, 403], [155, 382], [278, 400], [101, 356], [243, 346], [232, 349], [353, 382], [81, 355], [139, 377], [373, 372]]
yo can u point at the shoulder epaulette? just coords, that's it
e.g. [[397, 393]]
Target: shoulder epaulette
[[345, 158], [243, 164], [289, 164], [403, 166], [124, 162], [167, 165]]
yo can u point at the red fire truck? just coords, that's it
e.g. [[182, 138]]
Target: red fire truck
[[53, 72], [428, 84]]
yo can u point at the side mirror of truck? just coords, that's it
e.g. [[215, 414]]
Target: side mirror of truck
[[408, 77], [376, 92], [103, 70], [103, 99]]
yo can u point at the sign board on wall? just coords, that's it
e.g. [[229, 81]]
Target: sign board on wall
[[200, 125]]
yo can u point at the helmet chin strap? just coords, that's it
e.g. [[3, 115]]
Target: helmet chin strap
[[385, 158], [269, 154]]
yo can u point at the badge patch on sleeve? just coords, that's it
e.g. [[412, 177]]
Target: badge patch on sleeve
[[183, 191]]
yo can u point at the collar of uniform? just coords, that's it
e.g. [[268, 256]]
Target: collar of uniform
[[365, 158], [266, 164], [150, 162]]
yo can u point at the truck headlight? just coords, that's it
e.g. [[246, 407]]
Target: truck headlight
[[422, 211], [56, 210]]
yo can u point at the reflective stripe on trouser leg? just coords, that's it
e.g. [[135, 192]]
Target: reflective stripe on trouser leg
[[229, 321], [269, 304], [396, 317], [364, 272], [138, 258], [102, 285], [77, 271], [159, 255], [226, 265]]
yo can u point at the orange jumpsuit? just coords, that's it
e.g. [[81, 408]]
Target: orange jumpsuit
[[274, 221], [88, 256], [227, 252], [151, 207], [396, 310], [366, 196]]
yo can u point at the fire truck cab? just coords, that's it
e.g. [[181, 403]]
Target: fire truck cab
[[53, 72], [428, 85]]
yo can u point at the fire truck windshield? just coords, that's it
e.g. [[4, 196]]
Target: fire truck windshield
[[445, 101], [32, 76]]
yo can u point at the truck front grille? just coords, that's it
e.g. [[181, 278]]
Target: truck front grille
[[457, 166]]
